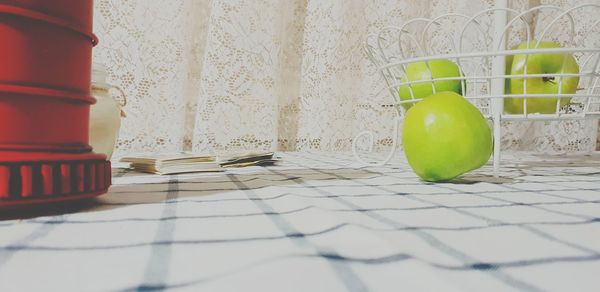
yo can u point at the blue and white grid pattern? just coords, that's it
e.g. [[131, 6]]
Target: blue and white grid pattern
[[317, 223]]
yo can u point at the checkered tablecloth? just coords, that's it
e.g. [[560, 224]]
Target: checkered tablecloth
[[319, 223]]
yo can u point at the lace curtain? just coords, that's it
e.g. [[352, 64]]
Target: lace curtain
[[225, 75]]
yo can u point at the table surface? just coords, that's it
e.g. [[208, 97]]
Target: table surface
[[318, 223]]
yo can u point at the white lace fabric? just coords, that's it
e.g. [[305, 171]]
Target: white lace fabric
[[227, 75]]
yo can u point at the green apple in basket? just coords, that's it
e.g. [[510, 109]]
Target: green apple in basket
[[420, 71], [542, 63], [445, 136]]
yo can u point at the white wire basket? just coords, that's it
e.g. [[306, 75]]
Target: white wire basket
[[479, 48]]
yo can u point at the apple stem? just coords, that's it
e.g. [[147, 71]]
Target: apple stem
[[548, 79]]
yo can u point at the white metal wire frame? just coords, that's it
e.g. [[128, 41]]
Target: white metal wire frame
[[484, 72]]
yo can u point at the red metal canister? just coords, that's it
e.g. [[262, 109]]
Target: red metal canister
[[45, 80]]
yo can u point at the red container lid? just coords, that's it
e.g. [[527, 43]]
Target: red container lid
[[77, 12], [72, 20]]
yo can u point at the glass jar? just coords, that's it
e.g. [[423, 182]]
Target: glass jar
[[106, 114]]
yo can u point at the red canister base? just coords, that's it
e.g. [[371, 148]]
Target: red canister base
[[44, 151], [38, 177]]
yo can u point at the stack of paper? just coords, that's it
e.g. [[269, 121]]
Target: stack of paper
[[173, 163], [247, 159]]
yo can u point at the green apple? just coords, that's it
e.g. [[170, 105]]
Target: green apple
[[445, 136], [508, 65], [551, 63], [420, 72]]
